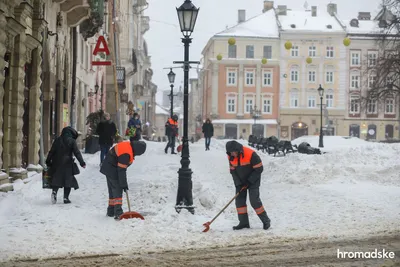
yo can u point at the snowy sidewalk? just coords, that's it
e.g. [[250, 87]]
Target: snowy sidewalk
[[352, 191]]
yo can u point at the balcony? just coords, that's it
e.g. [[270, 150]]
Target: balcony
[[145, 24], [77, 11], [134, 61], [94, 23], [139, 3], [124, 97], [139, 90], [121, 78]]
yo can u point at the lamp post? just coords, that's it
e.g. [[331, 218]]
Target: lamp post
[[187, 15], [171, 78], [255, 113], [321, 133], [96, 89]]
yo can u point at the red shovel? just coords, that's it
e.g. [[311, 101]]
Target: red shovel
[[179, 148], [207, 224], [130, 214]]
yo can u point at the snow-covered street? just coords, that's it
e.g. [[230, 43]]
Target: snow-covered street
[[352, 191]]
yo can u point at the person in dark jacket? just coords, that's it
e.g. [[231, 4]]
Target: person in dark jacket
[[135, 123], [171, 130], [208, 131], [246, 168], [106, 130], [60, 162], [114, 167]]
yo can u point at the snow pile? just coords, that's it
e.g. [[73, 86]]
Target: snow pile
[[321, 196]]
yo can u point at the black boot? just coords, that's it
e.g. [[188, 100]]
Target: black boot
[[173, 152], [166, 150], [243, 222], [54, 197], [110, 211], [118, 212], [265, 220], [66, 200]]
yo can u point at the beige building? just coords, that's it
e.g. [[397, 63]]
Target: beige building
[[35, 78], [238, 85], [317, 57], [375, 120]]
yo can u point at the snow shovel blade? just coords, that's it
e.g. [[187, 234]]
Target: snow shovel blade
[[131, 215], [207, 226], [179, 148]]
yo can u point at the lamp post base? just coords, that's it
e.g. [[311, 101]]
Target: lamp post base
[[321, 141]]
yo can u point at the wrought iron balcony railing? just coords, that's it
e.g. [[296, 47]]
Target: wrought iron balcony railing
[[121, 77]]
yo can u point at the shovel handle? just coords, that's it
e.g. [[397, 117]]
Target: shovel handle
[[243, 188], [127, 200]]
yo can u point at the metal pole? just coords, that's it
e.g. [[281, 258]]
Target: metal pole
[[172, 100], [185, 198], [321, 142]]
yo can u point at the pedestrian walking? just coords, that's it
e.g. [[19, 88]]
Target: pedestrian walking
[[171, 130], [135, 128], [114, 167], [246, 168], [106, 130], [62, 167], [208, 131]]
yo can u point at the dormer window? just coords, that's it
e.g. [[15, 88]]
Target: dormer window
[[293, 26], [354, 23]]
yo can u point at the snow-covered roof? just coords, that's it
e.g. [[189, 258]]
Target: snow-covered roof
[[245, 121], [304, 21], [261, 26], [364, 27]]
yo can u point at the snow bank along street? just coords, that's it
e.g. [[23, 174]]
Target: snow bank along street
[[351, 192]]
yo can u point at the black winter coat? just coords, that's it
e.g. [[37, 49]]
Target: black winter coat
[[208, 130], [60, 159], [106, 131]]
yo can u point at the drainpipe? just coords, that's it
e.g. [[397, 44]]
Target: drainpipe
[[73, 92], [41, 144]]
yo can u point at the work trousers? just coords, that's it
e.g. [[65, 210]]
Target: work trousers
[[114, 197], [255, 201]]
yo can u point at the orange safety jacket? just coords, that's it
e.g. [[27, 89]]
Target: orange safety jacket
[[246, 168]]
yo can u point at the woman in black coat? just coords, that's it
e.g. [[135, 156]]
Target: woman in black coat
[[208, 130], [60, 162]]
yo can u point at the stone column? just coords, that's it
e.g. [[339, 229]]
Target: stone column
[[3, 49], [214, 84], [258, 86], [240, 96]]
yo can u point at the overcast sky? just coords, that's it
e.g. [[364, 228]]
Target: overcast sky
[[164, 36]]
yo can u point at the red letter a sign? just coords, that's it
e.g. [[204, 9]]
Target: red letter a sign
[[98, 49]]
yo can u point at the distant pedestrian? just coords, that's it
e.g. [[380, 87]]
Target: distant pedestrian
[[61, 163], [135, 128], [171, 130], [106, 130], [208, 131], [246, 168], [118, 159]]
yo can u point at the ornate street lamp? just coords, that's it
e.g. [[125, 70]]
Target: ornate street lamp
[[255, 113], [171, 78], [321, 133], [187, 15]]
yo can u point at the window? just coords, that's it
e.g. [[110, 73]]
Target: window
[[249, 77], [312, 102], [267, 51], [389, 106], [232, 51], [354, 104], [329, 100], [267, 78], [371, 106], [249, 51], [294, 100], [267, 105], [355, 81], [311, 76], [372, 56], [371, 81], [231, 77], [330, 52], [355, 59], [248, 104], [294, 76], [329, 77], [295, 51], [82, 51], [230, 104], [312, 51], [86, 57]]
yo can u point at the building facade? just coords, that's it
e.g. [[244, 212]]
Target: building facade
[[241, 81]]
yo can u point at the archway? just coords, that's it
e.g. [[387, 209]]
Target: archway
[[354, 130], [371, 134], [299, 129], [389, 130], [231, 131]]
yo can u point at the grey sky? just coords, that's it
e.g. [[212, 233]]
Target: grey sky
[[164, 37]]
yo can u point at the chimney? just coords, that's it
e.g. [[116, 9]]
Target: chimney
[[282, 10], [332, 9], [241, 15], [268, 5], [364, 16], [314, 11]]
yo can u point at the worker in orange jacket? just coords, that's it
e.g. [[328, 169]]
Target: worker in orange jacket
[[171, 130], [114, 167], [246, 168]]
